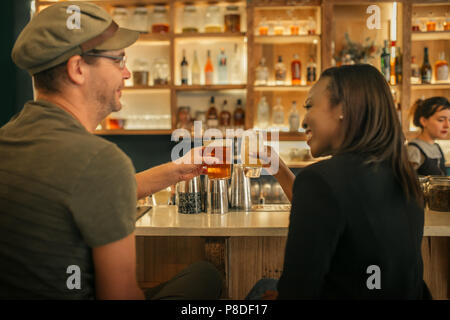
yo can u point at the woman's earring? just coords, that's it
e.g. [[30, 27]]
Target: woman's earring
[[341, 117]]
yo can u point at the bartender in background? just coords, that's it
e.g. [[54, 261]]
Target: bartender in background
[[432, 116]]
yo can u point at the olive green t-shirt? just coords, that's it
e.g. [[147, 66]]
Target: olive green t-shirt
[[63, 191]]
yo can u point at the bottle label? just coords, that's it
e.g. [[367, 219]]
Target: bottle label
[[442, 73], [311, 74], [296, 71], [426, 76], [208, 78], [184, 74]]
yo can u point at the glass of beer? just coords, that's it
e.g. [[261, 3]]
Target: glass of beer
[[253, 154], [222, 150]]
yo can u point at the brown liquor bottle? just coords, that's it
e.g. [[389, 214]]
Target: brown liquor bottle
[[224, 116], [239, 115]]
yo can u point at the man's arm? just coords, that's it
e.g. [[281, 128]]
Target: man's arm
[[115, 270]]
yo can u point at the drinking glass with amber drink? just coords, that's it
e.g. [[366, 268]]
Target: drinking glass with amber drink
[[253, 154], [221, 149]]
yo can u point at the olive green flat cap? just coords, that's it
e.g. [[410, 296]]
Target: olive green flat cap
[[66, 29]]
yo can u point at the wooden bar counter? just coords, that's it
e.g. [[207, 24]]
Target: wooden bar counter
[[247, 246]]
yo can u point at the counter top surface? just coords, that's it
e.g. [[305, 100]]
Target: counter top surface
[[166, 221]]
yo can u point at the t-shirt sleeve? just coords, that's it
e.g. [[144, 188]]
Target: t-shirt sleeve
[[415, 156], [315, 226], [103, 202]]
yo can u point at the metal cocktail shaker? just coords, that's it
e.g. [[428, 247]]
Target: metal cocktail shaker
[[217, 195], [240, 189], [189, 196]]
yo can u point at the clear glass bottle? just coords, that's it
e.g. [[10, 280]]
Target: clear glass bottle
[[441, 68], [213, 19], [262, 73], [160, 21], [296, 71], [426, 70], [278, 114], [212, 120], [195, 70], [236, 69], [209, 69], [263, 114], [280, 72], [140, 19], [311, 71], [415, 71], [239, 115], [222, 67], [190, 19], [184, 66], [232, 19], [294, 118]]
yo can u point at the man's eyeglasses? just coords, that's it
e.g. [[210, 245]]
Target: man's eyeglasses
[[121, 60]]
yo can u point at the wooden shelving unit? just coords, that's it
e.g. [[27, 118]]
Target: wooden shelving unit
[[319, 44]]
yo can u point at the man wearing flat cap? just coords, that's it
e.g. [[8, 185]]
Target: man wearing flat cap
[[68, 197]]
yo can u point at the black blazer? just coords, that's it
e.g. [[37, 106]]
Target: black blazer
[[345, 218]]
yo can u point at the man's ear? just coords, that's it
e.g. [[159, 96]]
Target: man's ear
[[76, 70]]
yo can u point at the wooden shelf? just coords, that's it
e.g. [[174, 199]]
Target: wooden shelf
[[196, 35], [287, 39], [165, 88], [211, 87], [437, 35], [155, 38], [431, 86], [282, 88], [132, 132]]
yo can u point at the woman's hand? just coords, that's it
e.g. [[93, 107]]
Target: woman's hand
[[192, 164]]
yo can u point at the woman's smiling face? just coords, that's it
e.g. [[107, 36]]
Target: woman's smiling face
[[322, 121]]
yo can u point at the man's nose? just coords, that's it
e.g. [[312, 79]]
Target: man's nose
[[126, 73]]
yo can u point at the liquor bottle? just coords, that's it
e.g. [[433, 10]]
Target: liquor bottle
[[262, 73], [311, 71], [224, 116], [184, 69], [294, 118], [195, 70], [212, 120], [278, 114], [209, 70], [398, 66], [239, 114], [280, 72], [415, 71], [426, 69], [263, 113], [386, 62], [236, 73], [222, 67], [393, 79], [296, 68], [441, 67]]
